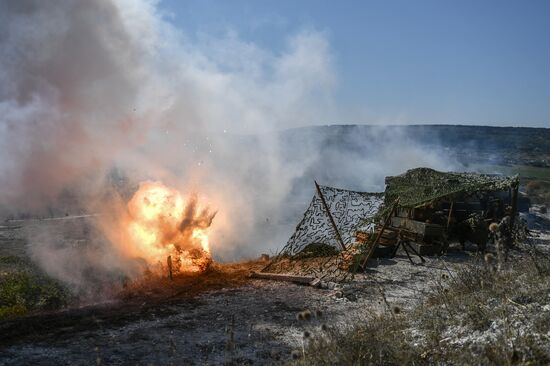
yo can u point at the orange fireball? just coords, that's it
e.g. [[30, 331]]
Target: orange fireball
[[162, 222]]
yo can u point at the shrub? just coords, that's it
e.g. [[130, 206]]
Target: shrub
[[501, 308], [23, 292]]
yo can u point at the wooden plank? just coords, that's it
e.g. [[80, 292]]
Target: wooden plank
[[411, 225], [424, 249], [306, 280], [388, 234], [387, 242], [418, 227]]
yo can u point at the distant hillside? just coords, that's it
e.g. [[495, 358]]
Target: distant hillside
[[356, 157], [469, 144]]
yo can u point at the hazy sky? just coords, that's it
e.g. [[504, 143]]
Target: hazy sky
[[424, 61]]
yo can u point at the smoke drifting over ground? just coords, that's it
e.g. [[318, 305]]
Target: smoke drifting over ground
[[90, 86]]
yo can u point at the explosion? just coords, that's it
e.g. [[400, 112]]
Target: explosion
[[163, 223]]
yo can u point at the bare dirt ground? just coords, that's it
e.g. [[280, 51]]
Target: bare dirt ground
[[221, 317]]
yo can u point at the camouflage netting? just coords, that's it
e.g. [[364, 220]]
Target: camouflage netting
[[314, 249], [420, 186]]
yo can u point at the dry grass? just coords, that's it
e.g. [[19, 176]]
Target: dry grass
[[27, 292], [216, 277], [379, 341], [475, 316]]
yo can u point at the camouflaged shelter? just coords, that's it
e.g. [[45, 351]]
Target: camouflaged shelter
[[430, 202], [418, 207]]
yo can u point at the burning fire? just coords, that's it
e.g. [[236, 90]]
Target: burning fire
[[162, 222]]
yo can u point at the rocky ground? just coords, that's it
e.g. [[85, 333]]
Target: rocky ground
[[243, 322]]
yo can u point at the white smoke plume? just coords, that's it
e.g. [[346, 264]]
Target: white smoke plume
[[91, 86]]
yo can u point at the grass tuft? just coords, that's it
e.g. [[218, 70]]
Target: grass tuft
[[24, 292]]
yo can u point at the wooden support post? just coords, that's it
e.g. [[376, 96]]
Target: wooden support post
[[375, 244], [330, 216], [450, 214], [169, 262], [408, 243]]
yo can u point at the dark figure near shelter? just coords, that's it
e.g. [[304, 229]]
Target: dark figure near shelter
[[475, 230], [504, 237]]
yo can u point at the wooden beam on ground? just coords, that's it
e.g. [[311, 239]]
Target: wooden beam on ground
[[330, 216], [305, 280]]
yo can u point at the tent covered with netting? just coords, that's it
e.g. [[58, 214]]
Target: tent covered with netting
[[326, 232]]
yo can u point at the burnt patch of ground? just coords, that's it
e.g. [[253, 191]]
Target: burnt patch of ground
[[149, 299], [192, 331]]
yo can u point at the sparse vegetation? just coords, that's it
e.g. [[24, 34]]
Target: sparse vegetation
[[475, 316], [13, 260], [25, 291], [378, 341], [314, 250]]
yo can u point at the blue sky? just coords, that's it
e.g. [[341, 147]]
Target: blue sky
[[425, 61]]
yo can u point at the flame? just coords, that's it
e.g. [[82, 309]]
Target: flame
[[162, 222], [203, 238]]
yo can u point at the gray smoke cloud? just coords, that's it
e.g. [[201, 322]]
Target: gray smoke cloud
[[92, 87]]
